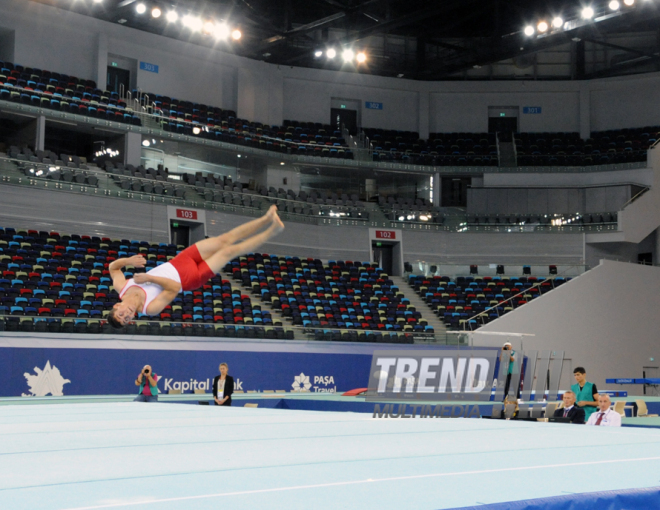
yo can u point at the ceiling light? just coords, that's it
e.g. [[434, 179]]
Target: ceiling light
[[146, 143], [98, 1], [629, 3], [542, 27], [361, 57], [122, 21], [347, 55], [614, 5], [400, 75], [587, 13], [331, 53], [318, 53], [236, 35], [156, 12], [140, 8], [172, 16], [221, 31], [557, 22], [209, 27], [529, 30], [281, 163], [193, 23], [196, 130]]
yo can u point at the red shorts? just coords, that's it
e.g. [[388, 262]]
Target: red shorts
[[193, 271]]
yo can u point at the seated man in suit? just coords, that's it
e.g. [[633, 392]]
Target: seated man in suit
[[570, 410]]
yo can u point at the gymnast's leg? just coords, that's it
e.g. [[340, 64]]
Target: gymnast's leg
[[208, 247], [227, 251]]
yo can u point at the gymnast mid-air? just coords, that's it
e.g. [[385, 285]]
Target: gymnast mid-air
[[149, 293]]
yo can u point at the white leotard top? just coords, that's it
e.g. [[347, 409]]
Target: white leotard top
[[152, 290]]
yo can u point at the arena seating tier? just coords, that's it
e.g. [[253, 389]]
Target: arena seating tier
[[63, 280], [213, 123], [338, 295], [61, 92], [568, 149], [60, 283], [457, 301], [441, 149]]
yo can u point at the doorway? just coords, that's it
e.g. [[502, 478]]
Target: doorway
[[645, 259], [179, 234], [118, 80], [454, 191], [505, 126], [383, 255], [348, 118]]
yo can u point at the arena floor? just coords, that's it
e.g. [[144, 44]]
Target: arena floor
[[173, 456]]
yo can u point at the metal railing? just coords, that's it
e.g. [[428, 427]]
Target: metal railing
[[467, 322]]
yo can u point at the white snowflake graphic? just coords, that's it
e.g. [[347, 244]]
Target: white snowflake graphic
[[48, 380], [301, 383]]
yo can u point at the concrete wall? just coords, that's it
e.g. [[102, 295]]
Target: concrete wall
[[534, 200], [605, 320], [82, 214], [638, 176], [49, 38]]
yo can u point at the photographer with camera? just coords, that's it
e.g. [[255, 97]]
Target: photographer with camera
[[147, 382]]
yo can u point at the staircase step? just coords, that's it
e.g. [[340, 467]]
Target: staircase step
[[265, 306], [421, 306]]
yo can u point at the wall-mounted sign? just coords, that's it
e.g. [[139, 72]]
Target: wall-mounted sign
[[385, 234], [186, 214], [369, 105], [532, 110], [152, 68]]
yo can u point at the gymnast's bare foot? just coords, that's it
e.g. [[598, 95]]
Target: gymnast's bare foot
[[277, 226], [272, 212]]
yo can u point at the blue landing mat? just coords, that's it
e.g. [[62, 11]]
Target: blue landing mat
[[175, 457], [608, 500]]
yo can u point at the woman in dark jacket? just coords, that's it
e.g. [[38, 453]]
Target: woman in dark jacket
[[223, 386]]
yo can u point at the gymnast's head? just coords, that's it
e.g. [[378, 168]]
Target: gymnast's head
[[121, 314]]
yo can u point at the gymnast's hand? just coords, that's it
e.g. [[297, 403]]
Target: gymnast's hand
[[141, 278], [137, 261]]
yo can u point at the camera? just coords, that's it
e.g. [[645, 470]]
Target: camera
[[146, 371]]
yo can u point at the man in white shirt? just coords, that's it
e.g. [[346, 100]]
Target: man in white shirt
[[605, 416]]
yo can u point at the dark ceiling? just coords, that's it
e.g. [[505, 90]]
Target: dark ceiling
[[423, 40]]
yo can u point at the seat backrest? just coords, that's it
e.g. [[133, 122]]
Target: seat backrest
[[620, 407], [251, 405], [642, 410], [550, 409], [174, 392]]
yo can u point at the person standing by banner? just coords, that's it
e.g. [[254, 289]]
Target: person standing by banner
[[585, 393], [147, 381], [507, 350], [223, 386]]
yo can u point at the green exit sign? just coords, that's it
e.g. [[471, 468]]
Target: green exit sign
[[175, 225], [502, 114], [379, 244], [343, 106]]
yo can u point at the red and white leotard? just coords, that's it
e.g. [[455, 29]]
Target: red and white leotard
[[187, 269], [152, 290]]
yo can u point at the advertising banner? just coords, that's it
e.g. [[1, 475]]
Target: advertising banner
[[61, 371]]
